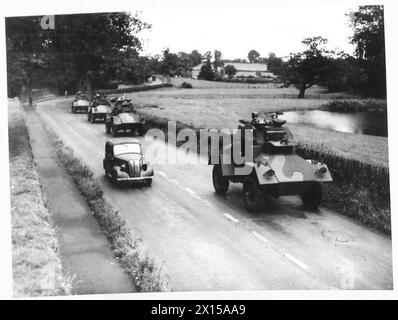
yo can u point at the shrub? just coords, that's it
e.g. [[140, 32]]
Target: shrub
[[186, 85], [351, 106]]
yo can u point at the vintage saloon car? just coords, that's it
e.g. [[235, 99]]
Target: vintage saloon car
[[81, 103], [124, 161]]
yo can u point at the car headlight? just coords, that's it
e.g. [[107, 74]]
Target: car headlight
[[321, 171], [269, 173]]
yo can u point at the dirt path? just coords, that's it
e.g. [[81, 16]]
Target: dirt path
[[85, 252]]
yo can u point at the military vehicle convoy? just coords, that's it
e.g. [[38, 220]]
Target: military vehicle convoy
[[275, 168]]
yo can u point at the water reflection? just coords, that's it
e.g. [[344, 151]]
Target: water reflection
[[370, 123]]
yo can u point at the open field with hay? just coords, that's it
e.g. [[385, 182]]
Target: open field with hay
[[222, 108]]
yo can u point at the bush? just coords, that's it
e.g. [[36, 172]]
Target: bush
[[186, 85], [136, 89], [351, 106]]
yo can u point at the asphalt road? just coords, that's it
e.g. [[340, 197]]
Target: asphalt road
[[206, 242]]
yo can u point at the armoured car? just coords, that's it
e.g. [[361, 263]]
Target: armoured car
[[274, 168], [124, 117], [124, 161], [80, 103], [98, 109]]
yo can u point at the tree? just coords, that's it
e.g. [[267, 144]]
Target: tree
[[217, 60], [274, 64], [368, 25], [132, 68], [80, 50], [196, 57], [307, 68], [26, 43], [206, 71], [253, 56], [230, 70]]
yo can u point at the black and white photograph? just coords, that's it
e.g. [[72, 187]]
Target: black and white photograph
[[195, 148]]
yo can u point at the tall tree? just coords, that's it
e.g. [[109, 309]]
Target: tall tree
[[206, 71], [196, 57], [26, 43], [253, 56], [217, 60], [307, 68], [368, 25]]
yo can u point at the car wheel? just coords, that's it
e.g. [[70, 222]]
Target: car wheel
[[313, 198], [148, 182], [252, 194], [73, 110], [107, 128], [114, 131], [220, 183], [88, 117], [114, 176], [92, 119]]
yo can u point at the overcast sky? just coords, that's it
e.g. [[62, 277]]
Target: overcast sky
[[236, 28]]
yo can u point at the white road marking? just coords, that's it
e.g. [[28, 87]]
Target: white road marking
[[260, 237], [161, 173], [229, 217], [190, 191], [296, 261]]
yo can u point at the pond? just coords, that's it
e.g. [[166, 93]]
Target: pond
[[369, 123]]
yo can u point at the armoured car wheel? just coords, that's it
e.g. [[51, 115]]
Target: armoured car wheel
[[92, 119], [220, 183], [252, 194], [114, 131], [313, 198], [141, 130], [88, 117], [73, 110], [148, 182]]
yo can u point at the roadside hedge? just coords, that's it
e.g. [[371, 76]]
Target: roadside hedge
[[136, 89]]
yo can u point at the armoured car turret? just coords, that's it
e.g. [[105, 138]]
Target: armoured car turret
[[274, 167]]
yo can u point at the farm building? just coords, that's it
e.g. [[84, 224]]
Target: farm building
[[255, 70]]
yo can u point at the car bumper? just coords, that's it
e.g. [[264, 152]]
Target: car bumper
[[119, 179]]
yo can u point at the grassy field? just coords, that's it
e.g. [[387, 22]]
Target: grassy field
[[222, 108], [37, 269]]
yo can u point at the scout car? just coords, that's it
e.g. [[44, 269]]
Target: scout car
[[124, 117], [275, 168], [98, 109], [81, 103], [124, 161]]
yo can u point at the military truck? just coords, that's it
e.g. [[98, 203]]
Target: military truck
[[274, 168]]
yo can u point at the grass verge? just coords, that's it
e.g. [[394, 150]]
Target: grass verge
[[36, 265], [143, 270], [359, 190]]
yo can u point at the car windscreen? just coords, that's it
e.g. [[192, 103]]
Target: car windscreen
[[126, 148]]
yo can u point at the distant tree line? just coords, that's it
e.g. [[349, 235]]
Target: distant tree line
[[87, 51]]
